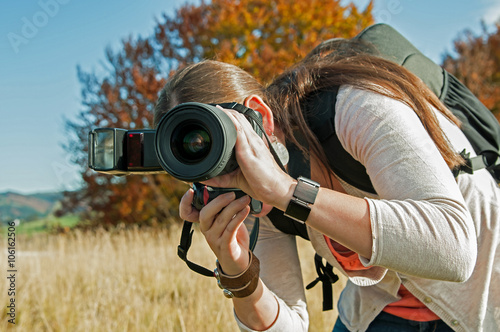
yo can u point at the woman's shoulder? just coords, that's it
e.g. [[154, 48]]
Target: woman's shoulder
[[373, 99], [358, 110]]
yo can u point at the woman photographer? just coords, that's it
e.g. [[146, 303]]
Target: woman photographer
[[422, 252]]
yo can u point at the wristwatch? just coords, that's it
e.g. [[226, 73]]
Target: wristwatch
[[303, 196]]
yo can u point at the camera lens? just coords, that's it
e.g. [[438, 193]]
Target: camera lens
[[194, 142], [191, 142]]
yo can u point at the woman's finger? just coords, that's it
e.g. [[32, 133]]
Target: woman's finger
[[225, 217], [186, 209], [211, 211], [237, 220], [248, 138], [232, 213]]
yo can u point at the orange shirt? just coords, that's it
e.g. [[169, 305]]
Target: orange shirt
[[408, 307]]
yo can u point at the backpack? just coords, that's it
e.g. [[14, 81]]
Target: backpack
[[478, 124]]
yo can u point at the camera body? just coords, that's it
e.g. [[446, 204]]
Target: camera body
[[119, 151], [205, 194], [193, 142]]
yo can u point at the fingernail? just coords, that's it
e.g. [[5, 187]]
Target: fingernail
[[245, 198], [230, 195]]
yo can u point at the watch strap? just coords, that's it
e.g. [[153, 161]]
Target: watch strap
[[304, 195]]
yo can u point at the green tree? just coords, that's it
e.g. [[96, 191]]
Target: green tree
[[263, 37]]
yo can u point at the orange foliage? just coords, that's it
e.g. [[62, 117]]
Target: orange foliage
[[261, 36], [477, 65]]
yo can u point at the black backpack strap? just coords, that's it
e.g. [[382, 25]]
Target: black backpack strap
[[327, 278], [320, 116]]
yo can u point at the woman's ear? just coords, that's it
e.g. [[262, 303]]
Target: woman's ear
[[257, 104]]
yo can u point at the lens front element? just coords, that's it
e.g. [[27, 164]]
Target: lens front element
[[191, 142]]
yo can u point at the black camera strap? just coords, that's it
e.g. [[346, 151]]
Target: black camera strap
[[185, 244], [187, 232]]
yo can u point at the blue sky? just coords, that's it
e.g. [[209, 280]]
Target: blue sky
[[43, 41]]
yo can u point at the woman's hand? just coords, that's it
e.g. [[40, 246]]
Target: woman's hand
[[258, 174], [186, 209], [221, 222]]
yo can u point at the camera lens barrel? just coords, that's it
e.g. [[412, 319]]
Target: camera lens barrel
[[195, 142]]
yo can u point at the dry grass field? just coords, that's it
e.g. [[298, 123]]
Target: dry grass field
[[129, 280]]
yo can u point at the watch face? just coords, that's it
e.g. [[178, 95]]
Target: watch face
[[306, 190]]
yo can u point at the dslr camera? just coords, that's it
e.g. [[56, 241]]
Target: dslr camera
[[193, 142]]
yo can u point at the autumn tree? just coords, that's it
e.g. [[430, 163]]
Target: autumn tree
[[477, 65], [261, 36], [123, 98]]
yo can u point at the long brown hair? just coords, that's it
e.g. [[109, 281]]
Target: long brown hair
[[347, 62], [206, 82]]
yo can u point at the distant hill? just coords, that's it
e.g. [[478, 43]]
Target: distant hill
[[27, 207]]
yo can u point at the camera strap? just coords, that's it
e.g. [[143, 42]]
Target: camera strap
[[186, 240], [187, 232]]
